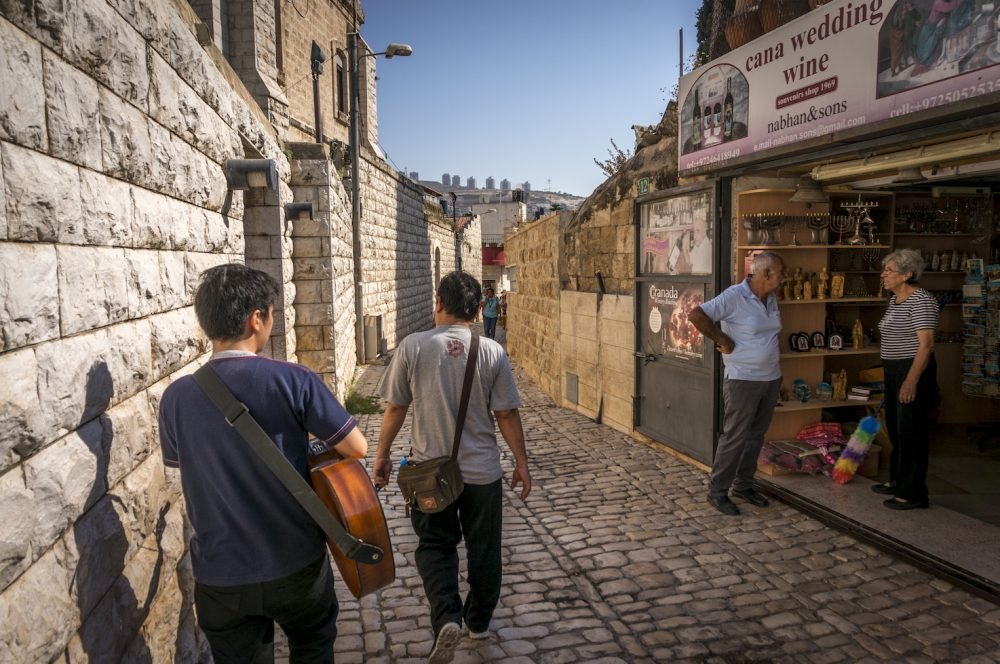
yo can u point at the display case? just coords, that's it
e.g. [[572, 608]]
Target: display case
[[845, 238]]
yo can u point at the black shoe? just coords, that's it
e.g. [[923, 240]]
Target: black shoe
[[752, 497], [724, 505], [885, 489], [903, 504]]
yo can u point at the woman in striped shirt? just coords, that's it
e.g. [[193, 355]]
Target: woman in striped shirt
[[907, 345]]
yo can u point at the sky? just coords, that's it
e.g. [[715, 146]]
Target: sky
[[528, 90]]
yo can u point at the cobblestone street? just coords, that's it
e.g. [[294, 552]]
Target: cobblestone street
[[616, 557]]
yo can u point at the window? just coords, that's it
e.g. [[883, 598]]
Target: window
[[512, 277], [340, 84]]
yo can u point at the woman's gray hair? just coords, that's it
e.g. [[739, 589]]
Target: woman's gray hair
[[765, 260], [907, 260]]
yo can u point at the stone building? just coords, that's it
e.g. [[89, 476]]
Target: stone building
[[117, 122]]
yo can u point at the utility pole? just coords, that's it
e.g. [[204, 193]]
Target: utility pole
[[355, 140]]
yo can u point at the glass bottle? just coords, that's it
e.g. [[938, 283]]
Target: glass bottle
[[727, 112]]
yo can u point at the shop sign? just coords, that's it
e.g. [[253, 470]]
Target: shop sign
[[669, 332], [845, 64], [675, 235]]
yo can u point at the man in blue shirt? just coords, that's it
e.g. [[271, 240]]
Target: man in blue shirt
[[748, 340], [258, 557]]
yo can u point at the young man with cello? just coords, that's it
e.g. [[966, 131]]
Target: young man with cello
[[258, 557]]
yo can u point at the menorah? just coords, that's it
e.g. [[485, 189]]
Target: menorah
[[818, 225], [770, 227], [870, 257], [752, 226], [793, 223], [858, 216], [840, 224]]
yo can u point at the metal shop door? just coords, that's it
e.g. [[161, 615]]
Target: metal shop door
[[678, 251]]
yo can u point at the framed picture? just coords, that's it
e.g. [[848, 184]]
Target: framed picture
[[818, 340], [836, 342], [802, 342]]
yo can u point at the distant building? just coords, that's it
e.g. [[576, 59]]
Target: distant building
[[414, 175], [491, 183], [470, 183], [526, 186], [504, 184], [456, 181], [446, 180]]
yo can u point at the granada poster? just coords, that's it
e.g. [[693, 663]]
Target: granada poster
[[669, 332], [845, 64]]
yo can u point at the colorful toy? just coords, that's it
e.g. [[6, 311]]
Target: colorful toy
[[853, 455]]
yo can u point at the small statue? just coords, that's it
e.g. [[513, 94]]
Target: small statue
[[798, 282], [824, 280], [807, 290], [837, 285], [787, 289], [840, 386], [857, 335]]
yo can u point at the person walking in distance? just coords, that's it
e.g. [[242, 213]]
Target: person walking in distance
[[748, 340], [258, 556], [491, 311], [427, 373]]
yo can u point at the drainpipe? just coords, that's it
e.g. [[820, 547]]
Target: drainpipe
[[355, 140]]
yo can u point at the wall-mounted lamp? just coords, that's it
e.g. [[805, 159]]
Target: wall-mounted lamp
[[300, 211], [243, 174], [808, 191], [402, 50]]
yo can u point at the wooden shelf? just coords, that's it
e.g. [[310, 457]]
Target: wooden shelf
[[816, 404], [814, 246], [940, 234], [827, 353], [839, 300]]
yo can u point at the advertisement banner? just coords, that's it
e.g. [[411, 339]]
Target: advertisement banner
[[669, 332], [845, 64], [675, 235]]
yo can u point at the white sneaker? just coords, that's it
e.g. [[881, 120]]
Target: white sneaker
[[444, 645], [479, 636]]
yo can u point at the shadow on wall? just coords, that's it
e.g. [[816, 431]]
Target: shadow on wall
[[112, 612], [413, 275]]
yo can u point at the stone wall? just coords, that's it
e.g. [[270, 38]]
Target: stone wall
[[324, 275], [113, 200], [395, 251], [326, 22], [533, 310], [597, 341]]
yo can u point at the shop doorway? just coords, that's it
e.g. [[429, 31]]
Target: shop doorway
[[677, 250]]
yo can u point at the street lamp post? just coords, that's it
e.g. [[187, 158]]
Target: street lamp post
[[355, 145]]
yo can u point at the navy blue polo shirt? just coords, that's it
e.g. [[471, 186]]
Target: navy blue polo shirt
[[247, 526]]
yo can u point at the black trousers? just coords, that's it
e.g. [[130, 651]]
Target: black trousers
[[477, 515], [907, 425], [239, 620]]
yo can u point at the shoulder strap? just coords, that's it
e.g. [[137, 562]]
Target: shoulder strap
[[238, 416], [470, 370]]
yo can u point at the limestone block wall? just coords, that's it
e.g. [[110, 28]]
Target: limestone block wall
[[604, 243], [323, 275], [114, 125], [533, 333], [597, 340], [443, 257], [396, 247], [326, 23]]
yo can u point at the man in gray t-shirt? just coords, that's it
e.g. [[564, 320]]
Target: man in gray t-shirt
[[427, 372]]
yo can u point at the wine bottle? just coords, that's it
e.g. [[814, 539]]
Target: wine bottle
[[696, 123], [717, 119], [727, 112]]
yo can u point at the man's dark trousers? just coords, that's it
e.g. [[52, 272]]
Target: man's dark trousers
[[239, 620], [477, 514], [749, 407]]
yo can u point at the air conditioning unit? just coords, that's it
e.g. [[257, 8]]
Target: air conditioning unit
[[938, 192]]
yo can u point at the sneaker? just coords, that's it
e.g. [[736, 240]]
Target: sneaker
[[724, 505], [752, 497], [479, 636], [444, 645]]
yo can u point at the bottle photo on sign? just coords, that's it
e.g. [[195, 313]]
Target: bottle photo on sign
[[715, 109]]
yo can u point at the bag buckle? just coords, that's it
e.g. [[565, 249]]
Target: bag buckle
[[239, 410]]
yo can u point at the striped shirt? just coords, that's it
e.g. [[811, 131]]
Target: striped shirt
[[901, 321]]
